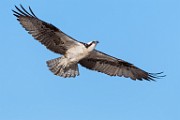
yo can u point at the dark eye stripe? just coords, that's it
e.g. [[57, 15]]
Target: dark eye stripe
[[88, 45]]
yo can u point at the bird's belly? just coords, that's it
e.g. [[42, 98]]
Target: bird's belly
[[75, 54]]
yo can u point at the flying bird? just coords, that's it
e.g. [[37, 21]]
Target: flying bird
[[75, 52]]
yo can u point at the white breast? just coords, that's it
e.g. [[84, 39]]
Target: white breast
[[76, 53]]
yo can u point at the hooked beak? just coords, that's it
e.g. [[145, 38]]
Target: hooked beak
[[97, 42]]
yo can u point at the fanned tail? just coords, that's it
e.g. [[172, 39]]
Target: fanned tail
[[58, 68]]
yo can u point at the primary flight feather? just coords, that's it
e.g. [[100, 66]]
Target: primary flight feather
[[75, 52]]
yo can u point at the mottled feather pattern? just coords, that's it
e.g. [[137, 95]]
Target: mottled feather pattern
[[116, 67], [57, 41], [57, 69], [50, 36]]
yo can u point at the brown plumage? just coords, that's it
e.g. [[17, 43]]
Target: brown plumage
[[57, 41]]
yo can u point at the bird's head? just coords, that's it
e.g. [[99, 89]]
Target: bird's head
[[95, 42], [91, 45], [92, 42]]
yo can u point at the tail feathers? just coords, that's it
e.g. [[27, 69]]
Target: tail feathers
[[62, 70]]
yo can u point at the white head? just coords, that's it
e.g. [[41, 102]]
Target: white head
[[91, 45]]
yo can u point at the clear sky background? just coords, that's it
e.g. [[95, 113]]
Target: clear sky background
[[143, 32]]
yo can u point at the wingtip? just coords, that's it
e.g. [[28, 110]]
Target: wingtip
[[154, 76], [16, 7], [20, 5], [32, 12], [21, 11]]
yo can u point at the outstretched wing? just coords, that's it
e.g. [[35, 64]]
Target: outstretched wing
[[112, 66], [50, 36]]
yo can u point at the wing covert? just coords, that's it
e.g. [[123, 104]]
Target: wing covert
[[49, 35], [112, 66]]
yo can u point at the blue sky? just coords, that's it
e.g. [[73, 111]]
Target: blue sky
[[143, 32]]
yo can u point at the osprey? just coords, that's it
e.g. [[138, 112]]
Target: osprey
[[75, 52]]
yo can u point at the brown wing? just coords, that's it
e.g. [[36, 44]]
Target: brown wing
[[112, 66], [50, 36]]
